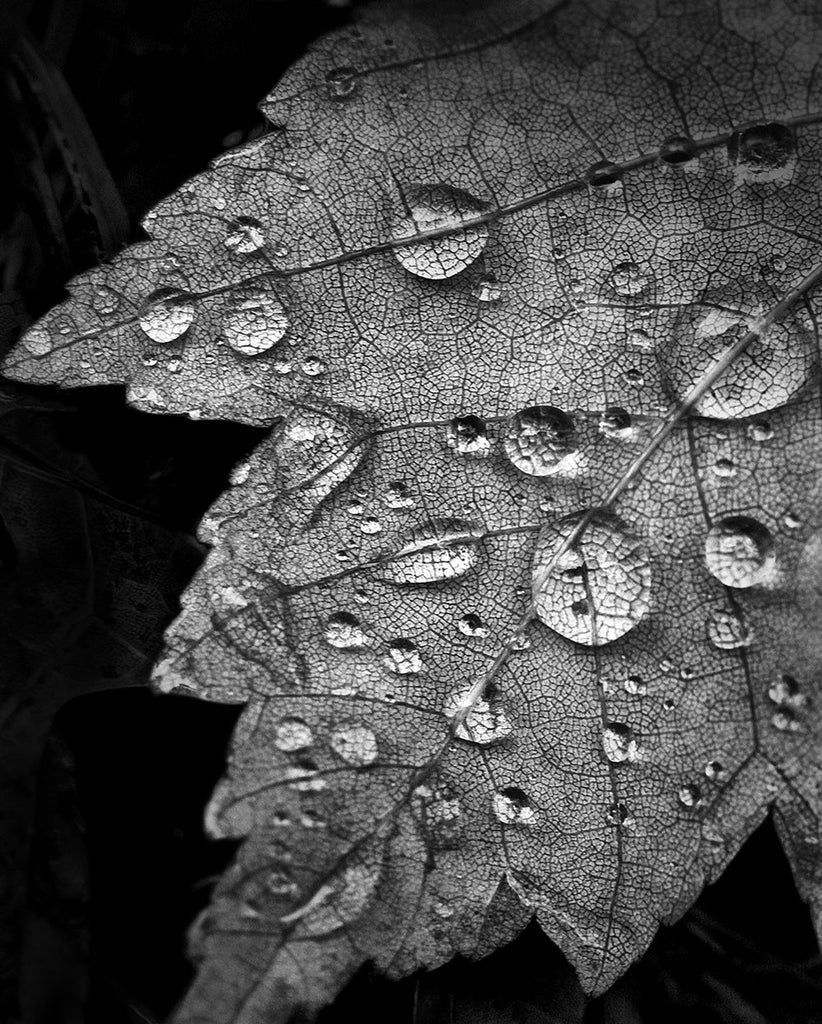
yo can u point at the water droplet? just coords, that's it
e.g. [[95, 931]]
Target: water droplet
[[617, 814], [397, 496], [677, 149], [174, 365], [724, 469], [640, 340], [668, 704], [603, 173], [715, 771], [255, 323], [541, 441], [467, 435], [355, 744], [766, 375], [786, 692], [739, 552], [280, 883], [355, 508], [37, 341], [432, 208], [472, 625], [166, 315], [371, 525], [148, 359], [619, 744], [344, 631], [292, 734], [245, 236], [728, 630], [487, 290], [442, 549], [486, 722], [338, 903], [763, 153], [512, 807], [636, 686], [785, 720], [600, 587], [313, 367], [342, 83], [629, 280], [616, 423], [403, 657], [690, 795], [791, 522]]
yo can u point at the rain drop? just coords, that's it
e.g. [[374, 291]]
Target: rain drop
[[403, 657], [690, 795], [629, 280], [677, 149], [486, 722], [245, 236], [715, 771], [786, 692], [616, 423], [739, 552], [636, 686], [724, 469], [467, 436], [487, 290], [430, 208], [355, 744], [512, 807], [166, 315], [597, 589], [619, 744], [397, 496], [292, 734], [541, 441], [255, 323], [343, 630], [371, 525], [763, 153], [727, 630], [37, 341], [472, 625], [617, 814], [442, 549], [342, 83], [313, 367], [603, 173]]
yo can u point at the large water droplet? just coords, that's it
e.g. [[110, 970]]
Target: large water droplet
[[166, 315], [343, 630], [618, 743], [512, 807], [728, 629], [739, 552], [541, 441], [442, 549], [338, 903], [244, 236], [256, 323], [467, 436], [599, 587], [434, 208], [356, 744], [763, 153], [292, 734], [774, 366]]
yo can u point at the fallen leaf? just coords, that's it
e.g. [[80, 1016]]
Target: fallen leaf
[[521, 594]]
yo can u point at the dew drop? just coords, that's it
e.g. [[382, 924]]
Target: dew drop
[[487, 290], [541, 441], [441, 549], [343, 630], [292, 734], [636, 686], [486, 722], [166, 315], [739, 552], [342, 83], [255, 323], [355, 744], [724, 469], [245, 236], [38, 341], [619, 744], [690, 795], [785, 720], [431, 208], [616, 423], [629, 280], [512, 807], [763, 153], [677, 149], [785, 691], [728, 630], [467, 435], [440, 811], [397, 496], [597, 589], [791, 522], [617, 814], [603, 173], [472, 625], [715, 771], [403, 657], [371, 525], [313, 367]]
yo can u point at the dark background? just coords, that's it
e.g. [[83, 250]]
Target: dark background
[[163, 86]]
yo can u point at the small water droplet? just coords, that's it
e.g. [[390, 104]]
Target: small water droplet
[[619, 744], [668, 704], [371, 525], [739, 552], [791, 522], [486, 723], [174, 365], [430, 208], [690, 795], [615, 422], [728, 630], [629, 280], [785, 720], [617, 814], [344, 631], [166, 315], [677, 149], [292, 734], [355, 508], [472, 625], [512, 807], [397, 495], [441, 549], [356, 744], [313, 367], [244, 236], [635, 685], [403, 657], [255, 323], [342, 83], [786, 692], [467, 435], [760, 431], [724, 469], [148, 359], [763, 153], [487, 290], [640, 341], [603, 173], [600, 587], [541, 441], [715, 771]]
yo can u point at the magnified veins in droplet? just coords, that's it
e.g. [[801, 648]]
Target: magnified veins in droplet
[[521, 595]]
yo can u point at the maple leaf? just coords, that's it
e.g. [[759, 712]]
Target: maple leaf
[[520, 593]]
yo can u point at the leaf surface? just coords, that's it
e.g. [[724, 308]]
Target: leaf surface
[[522, 592]]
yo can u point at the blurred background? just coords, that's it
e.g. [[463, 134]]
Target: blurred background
[[107, 106]]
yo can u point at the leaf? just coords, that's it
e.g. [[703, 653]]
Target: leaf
[[521, 593]]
